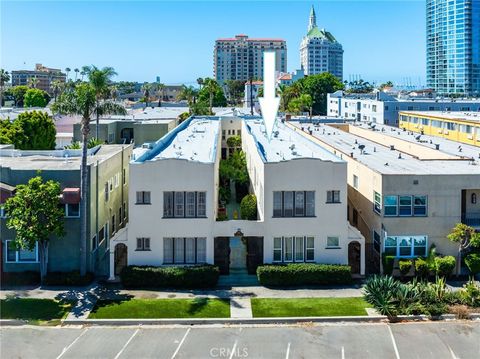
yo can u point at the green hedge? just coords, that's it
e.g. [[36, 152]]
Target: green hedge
[[473, 263], [20, 278], [421, 268], [444, 266], [297, 274], [248, 207], [388, 264], [404, 265], [68, 278], [201, 276]]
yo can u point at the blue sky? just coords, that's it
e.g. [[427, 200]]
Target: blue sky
[[383, 39]]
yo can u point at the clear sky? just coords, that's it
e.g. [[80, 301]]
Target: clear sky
[[382, 40]]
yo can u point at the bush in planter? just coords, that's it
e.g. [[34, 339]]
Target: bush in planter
[[248, 207], [405, 265], [388, 264], [473, 263], [444, 266], [200, 276], [421, 268], [297, 274]]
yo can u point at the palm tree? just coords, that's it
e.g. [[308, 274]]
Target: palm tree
[[114, 92], [146, 92], [83, 101], [56, 86], [4, 78], [200, 82], [211, 86], [100, 79], [160, 88], [76, 73], [189, 94], [67, 70], [32, 82]]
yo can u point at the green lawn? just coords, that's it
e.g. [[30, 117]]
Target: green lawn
[[34, 309], [308, 307], [161, 308]]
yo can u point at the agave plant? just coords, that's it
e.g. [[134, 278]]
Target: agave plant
[[381, 291]]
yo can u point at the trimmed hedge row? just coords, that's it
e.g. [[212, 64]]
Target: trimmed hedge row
[[202, 276], [296, 274], [72, 278]]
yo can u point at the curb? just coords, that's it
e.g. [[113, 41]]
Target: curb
[[13, 322]]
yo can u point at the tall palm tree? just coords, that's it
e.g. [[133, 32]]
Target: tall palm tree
[[211, 86], [67, 70], [76, 73], [32, 82], [100, 79], [189, 94], [4, 78], [83, 101], [160, 89], [200, 82], [56, 86], [113, 92], [146, 88]]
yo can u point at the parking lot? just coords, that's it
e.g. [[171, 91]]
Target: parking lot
[[410, 340]]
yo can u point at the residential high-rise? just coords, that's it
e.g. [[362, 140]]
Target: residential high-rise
[[320, 51], [453, 46], [241, 58], [44, 75]]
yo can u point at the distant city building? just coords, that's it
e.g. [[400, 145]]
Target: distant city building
[[453, 46], [44, 75], [290, 78], [320, 51], [383, 108], [241, 58], [457, 126]]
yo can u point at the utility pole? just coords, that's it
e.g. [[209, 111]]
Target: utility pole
[[251, 96]]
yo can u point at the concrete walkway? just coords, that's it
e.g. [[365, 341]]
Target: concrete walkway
[[240, 308]]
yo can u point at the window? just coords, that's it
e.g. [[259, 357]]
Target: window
[[120, 218], [143, 244], [181, 250], [332, 242], [293, 249], [376, 241], [107, 193], [124, 176], [419, 205], [116, 179], [406, 246], [143, 197], [377, 202], [405, 208], [333, 196], [113, 224], [125, 211], [390, 205], [72, 210], [293, 204], [355, 181], [101, 235], [184, 204], [18, 255]]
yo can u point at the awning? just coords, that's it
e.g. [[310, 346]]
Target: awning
[[70, 196]]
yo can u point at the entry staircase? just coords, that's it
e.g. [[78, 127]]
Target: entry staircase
[[238, 278]]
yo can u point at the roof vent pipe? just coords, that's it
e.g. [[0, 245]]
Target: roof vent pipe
[[392, 148], [437, 146]]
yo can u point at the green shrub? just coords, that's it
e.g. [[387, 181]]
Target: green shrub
[[444, 266], [473, 263], [388, 264], [200, 276], [68, 278], [471, 294], [20, 278], [421, 268], [380, 291], [225, 194], [297, 274], [435, 309], [248, 207], [405, 265]]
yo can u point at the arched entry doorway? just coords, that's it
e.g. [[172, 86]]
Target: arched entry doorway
[[354, 256], [120, 257]]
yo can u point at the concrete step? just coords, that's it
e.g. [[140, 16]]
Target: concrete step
[[243, 279]]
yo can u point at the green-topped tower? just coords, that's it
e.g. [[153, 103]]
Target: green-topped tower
[[320, 51]]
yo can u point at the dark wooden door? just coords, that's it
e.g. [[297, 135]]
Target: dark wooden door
[[120, 258], [254, 253], [354, 257], [221, 254]]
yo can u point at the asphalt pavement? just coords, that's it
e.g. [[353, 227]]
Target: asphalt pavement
[[452, 340]]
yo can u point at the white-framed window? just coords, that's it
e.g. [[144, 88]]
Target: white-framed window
[[294, 249], [333, 242], [293, 204], [406, 246], [405, 205], [72, 210], [355, 181], [143, 244], [184, 204], [124, 176], [14, 255], [116, 179], [377, 202], [390, 204], [143, 197], [333, 196], [184, 250]]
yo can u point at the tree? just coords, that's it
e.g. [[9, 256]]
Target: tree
[[18, 93], [67, 70], [466, 237], [35, 98], [56, 87], [248, 207], [34, 130], [32, 82], [385, 85], [359, 86], [318, 86], [212, 94], [83, 101], [200, 82], [4, 78], [234, 141], [189, 94], [36, 217], [146, 88], [76, 73], [236, 90], [301, 104], [160, 88], [100, 79]]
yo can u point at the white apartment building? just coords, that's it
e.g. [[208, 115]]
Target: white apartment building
[[301, 196], [241, 58], [320, 51], [382, 108]]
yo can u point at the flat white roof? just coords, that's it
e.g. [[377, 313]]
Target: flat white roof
[[470, 116], [286, 144]]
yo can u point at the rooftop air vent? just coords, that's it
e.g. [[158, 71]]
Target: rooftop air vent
[[392, 148], [437, 146]]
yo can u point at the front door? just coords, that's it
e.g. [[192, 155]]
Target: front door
[[221, 254], [120, 258], [238, 253], [254, 253], [354, 257]]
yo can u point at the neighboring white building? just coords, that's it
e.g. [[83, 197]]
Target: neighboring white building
[[382, 108], [241, 58], [301, 191], [320, 51]]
